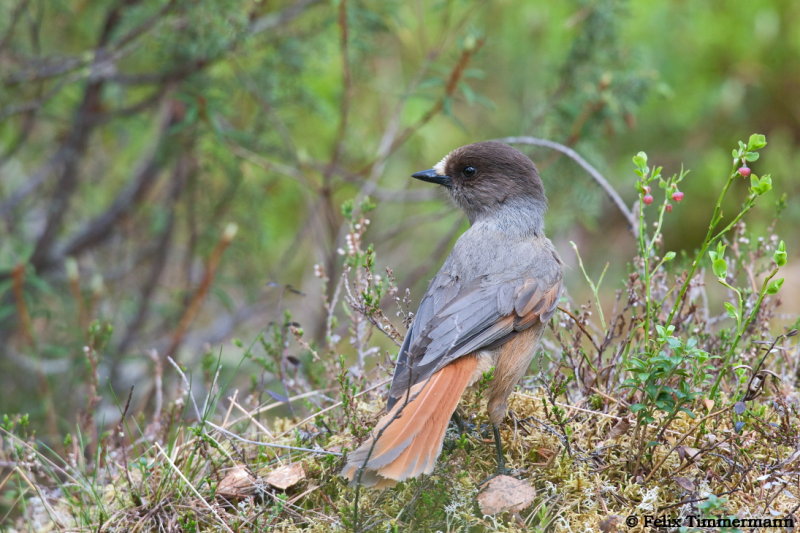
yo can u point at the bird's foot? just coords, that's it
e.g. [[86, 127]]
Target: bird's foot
[[501, 471], [461, 425]]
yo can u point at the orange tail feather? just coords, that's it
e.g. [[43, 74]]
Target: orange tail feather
[[410, 436]]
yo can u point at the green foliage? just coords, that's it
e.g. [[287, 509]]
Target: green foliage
[[270, 117], [671, 372], [138, 131], [671, 380]]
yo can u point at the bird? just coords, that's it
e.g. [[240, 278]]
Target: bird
[[483, 314]]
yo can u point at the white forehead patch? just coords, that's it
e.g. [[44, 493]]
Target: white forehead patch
[[441, 165]]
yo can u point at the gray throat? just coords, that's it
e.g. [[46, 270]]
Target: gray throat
[[521, 217]]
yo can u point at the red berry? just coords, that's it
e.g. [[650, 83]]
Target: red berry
[[668, 207], [647, 199], [744, 172], [677, 196], [646, 189]]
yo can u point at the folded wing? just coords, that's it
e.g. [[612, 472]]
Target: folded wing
[[456, 319]]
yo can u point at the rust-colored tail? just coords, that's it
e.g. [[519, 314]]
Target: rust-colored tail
[[410, 436]]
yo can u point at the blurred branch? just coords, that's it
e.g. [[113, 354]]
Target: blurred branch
[[191, 310], [34, 105], [186, 68], [75, 146], [43, 69], [37, 70], [25, 130], [101, 227], [90, 113], [29, 187], [146, 25], [273, 117], [391, 141], [18, 282], [593, 172], [221, 328], [182, 168], [453, 79], [12, 23], [35, 365], [98, 229], [399, 229], [436, 256], [347, 92], [275, 20], [330, 220], [269, 165], [403, 196]]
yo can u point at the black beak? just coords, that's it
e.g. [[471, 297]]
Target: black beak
[[431, 176]]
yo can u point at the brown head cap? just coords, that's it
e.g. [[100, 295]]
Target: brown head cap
[[485, 176]]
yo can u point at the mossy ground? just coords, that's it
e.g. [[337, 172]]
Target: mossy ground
[[599, 482]]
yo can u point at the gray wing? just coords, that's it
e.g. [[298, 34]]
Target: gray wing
[[457, 318]]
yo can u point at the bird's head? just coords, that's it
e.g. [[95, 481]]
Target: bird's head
[[485, 176]]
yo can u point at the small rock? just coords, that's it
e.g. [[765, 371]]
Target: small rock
[[505, 493]]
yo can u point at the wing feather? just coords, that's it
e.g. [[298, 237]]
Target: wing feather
[[457, 318]]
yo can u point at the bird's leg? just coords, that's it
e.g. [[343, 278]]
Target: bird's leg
[[501, 459]]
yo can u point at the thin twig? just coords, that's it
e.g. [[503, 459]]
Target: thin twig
[[273, 405], [593, 172], [680, 441], [271, 444], [191, 487], [334, 406], [581, 326]]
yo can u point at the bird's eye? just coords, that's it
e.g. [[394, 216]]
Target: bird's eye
[[468, 172]]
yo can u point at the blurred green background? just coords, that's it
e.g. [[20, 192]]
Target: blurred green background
[[133, 133]]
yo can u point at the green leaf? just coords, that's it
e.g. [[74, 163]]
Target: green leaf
[[652, 391], [665, 405], [756, 141], [367, 205], [755, 184], [720, 267], [731, 310], [347, 209], [636, 364], [780, 254], [447, 106], [669, 256], [430, 83], [640, 160], [774, 286], [469, 94], [767, 181], [760, 185], [674, 343], [751, 156]]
